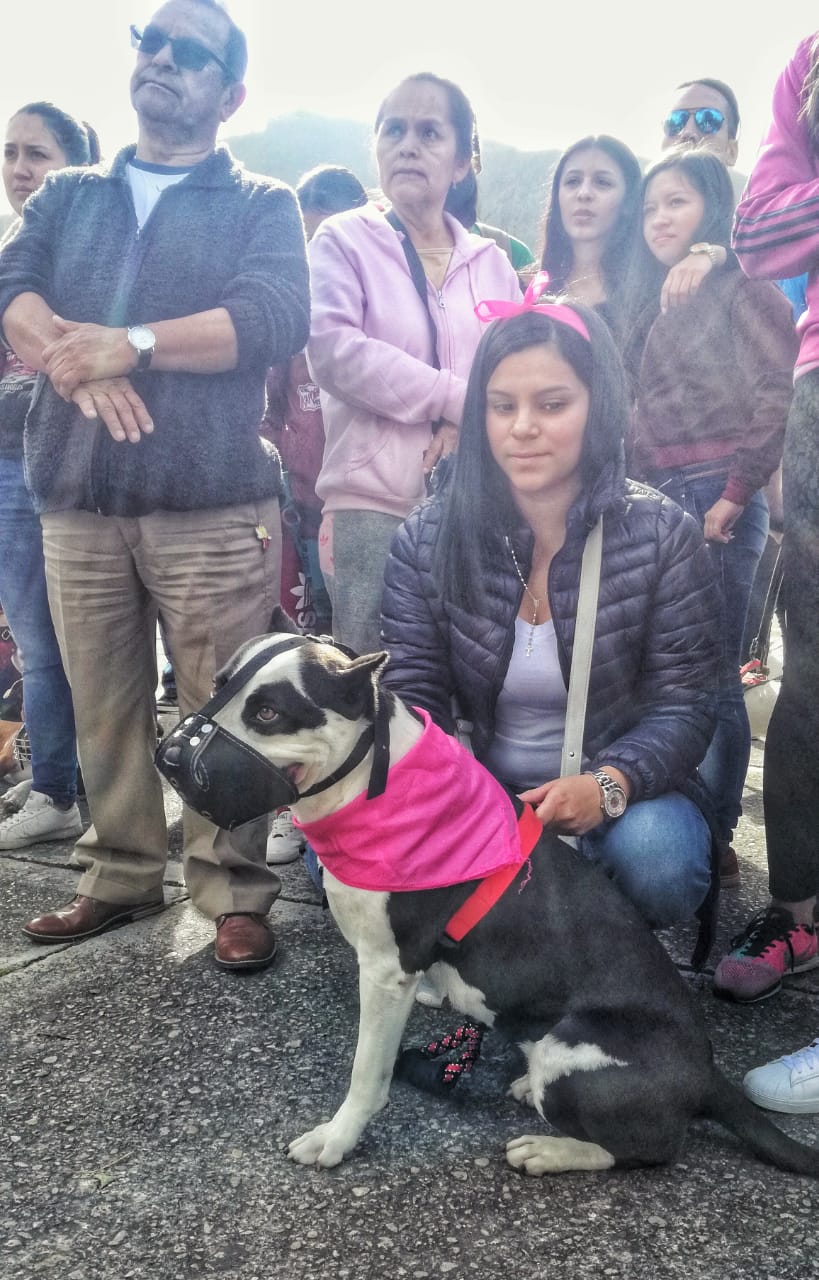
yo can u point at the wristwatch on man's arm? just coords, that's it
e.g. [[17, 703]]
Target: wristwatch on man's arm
[[143, 340]]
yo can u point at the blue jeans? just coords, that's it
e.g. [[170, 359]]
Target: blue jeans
[[659, 855], [726, 763], [48, 709]]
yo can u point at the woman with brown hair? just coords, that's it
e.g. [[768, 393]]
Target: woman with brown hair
[[392, 339]]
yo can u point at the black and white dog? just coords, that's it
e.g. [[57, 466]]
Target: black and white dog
[[618, 1058]]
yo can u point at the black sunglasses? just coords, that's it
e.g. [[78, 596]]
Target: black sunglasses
[[707, 120], [188, 54]]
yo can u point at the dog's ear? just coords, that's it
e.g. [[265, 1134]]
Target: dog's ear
[[356, 684], [373, 663], [281, 621]]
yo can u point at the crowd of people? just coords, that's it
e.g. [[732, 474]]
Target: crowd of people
[[386, 414]]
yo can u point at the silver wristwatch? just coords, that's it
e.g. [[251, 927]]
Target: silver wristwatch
[[613, 799], [143, 340]]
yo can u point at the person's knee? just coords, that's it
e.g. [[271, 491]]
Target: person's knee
[[660, 857], [41, 654], [665, 893]]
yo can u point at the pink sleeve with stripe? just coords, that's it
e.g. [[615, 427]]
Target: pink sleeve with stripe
[[776, 228]]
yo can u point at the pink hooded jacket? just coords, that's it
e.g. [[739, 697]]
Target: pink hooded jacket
[[369, 351], [776, 230]]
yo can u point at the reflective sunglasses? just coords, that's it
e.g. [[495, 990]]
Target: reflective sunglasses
[[707, 120], [188, 54]]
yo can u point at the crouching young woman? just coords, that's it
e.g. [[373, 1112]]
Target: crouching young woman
[[481, 596]]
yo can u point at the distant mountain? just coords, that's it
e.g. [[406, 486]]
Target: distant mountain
[[513, 183]]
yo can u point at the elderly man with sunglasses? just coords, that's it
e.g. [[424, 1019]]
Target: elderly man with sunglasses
[[152, 295]]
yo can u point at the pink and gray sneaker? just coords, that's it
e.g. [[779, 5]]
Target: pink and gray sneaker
[[771, 946]]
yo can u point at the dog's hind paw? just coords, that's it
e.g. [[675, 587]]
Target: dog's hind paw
[[539, 1155], [318, 1147], [521, 1090]]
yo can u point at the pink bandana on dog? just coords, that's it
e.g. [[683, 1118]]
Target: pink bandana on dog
[[442, 820]]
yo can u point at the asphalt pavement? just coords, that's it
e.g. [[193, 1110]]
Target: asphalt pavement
[[146, 1101]]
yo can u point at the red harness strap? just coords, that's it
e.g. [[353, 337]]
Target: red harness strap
[[483, 898]]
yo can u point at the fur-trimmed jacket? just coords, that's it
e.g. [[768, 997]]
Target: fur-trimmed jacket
[[651, 704]]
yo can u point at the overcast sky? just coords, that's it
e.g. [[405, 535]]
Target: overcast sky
[[540, 74]]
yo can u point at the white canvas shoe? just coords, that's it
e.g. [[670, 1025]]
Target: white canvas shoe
[[13, 799], [285, 842], [39, 820], [790, 1084]]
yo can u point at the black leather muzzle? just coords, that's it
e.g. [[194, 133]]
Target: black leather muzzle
[[218, 774], [230, 783]]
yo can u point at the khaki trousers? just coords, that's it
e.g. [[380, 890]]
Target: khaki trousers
[[215, 584]]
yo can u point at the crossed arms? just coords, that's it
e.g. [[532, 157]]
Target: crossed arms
[[89, 364]]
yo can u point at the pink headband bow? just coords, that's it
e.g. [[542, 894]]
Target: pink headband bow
[[498, 309]]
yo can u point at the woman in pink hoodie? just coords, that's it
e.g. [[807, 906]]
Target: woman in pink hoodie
[[393, 335], [776, 234]]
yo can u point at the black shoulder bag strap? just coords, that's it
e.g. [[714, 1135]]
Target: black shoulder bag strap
[[419, 279]]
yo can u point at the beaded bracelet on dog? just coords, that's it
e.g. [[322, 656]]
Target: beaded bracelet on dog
[[468, 1039], [464, 1043], [427, 1067]]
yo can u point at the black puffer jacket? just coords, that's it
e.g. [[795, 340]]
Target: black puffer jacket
[[650, 709]]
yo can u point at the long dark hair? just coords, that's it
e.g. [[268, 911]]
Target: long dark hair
[[463, 195], [76, 139], [558, 252], [479, 506]]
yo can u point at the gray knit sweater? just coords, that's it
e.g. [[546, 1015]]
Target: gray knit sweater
[[219, 238]]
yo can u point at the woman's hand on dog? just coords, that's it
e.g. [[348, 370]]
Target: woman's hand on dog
[[571, 806]]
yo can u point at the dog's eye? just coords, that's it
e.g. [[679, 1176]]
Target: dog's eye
[[267, 714]]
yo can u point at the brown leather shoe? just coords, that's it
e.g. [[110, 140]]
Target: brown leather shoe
[[244, 940], [83, 917], [729, 873]]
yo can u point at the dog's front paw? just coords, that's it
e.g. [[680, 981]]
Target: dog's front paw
[[521, 1090], [319, 1146]]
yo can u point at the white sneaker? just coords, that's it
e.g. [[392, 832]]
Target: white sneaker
[[285, 842], [38, 820], [13, 799], [790, 1084]]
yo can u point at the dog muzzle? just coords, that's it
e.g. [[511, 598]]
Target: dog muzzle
[[220, 776], [228, 781], [214, 772]]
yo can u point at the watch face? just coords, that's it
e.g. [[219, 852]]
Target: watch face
[[141, 339], [615, 801]]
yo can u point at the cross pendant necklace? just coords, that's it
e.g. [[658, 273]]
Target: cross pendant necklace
[[530, 643]]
